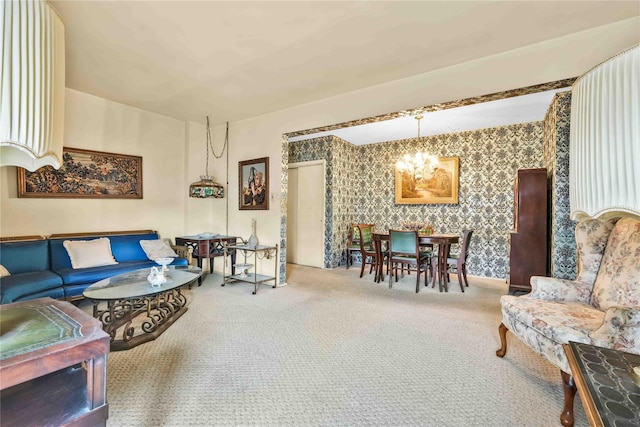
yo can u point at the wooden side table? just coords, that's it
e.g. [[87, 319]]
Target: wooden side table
[[208, 247], [53, 365], [605, 384]]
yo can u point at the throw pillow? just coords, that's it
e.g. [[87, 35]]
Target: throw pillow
[[89, 253], [157, 249], [3, 271]]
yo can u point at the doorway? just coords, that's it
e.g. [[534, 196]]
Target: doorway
[[305, 213]]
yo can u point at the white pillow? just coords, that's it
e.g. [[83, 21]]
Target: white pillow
[[89, 253], [3, 271], [157, 249]]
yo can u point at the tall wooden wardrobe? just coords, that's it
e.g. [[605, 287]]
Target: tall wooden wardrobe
[[529, 244]]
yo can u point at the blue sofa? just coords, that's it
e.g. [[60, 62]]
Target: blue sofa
[[31, 276], [42, 268]]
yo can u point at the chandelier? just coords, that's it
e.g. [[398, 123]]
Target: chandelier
[[207, 187], [420, 164]]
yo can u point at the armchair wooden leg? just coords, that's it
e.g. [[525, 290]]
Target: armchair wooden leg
[[566, 418], [502, 330], [362, 266]]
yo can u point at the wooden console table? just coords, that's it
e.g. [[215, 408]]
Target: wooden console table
[[53, 365]]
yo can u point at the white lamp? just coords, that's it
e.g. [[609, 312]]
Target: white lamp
[[32, 84], [604, 168]]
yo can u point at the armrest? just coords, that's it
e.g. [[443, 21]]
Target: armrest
[[552, 289], [184, 252], [619, 330]]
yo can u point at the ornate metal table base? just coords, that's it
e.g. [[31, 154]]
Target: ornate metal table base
[[131, 322]]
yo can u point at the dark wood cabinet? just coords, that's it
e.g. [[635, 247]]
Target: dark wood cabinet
[[53, 365], [529, 245]]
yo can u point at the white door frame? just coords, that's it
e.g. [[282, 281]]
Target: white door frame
[[322, 162]]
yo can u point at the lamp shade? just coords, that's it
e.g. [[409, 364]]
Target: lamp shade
[[32, 84], [206, 187], [604, 168]]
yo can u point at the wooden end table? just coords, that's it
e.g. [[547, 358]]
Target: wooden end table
[[53, 365], [605, 384]]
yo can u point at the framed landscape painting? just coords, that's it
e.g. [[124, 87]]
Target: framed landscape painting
[[253, 184], [436, 184], [85, 174]]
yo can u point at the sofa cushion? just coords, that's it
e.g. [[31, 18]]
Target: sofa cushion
[[4, 272], [618, 280], [560, 322], [127, 247], [591, 240], [124, 247], [88, 276], [89, 253], [17, 286], [157, 248], [25, 256]]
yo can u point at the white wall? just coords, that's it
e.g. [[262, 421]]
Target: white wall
[[94, 123], [173, 151]]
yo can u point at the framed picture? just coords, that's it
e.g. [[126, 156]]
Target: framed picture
[[253, 184], [85, 174], [436, 183]]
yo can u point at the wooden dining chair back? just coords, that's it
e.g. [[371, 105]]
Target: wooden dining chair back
[[458, 263], [367, 249], [353, 243], [404, 249]]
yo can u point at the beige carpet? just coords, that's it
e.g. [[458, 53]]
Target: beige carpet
[[330, 349]]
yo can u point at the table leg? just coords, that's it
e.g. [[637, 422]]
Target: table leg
[[379, 268], [233, 262], [443, 266]]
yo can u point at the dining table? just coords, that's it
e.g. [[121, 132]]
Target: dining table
[[444, 242]]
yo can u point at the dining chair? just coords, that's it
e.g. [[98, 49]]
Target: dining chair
[[457, 263], [353, 243], [367, 249], [404, 249]]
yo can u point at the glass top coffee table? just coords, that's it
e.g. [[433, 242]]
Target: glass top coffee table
[[132, 311]]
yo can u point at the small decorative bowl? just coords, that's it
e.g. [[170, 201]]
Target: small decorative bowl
[[164, 262]]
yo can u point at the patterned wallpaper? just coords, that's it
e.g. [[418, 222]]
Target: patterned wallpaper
[[556, 160], [339, 207], [360, 187]]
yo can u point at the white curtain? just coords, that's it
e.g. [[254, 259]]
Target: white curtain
[[32, 83], [605, 139]]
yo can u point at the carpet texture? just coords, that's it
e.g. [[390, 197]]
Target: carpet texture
[[331, 349]]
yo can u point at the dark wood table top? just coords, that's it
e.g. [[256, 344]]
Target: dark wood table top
[[605, 383], [79, 337], [434, 238]]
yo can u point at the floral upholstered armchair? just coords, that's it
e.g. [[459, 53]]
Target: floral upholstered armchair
[[601, 307]]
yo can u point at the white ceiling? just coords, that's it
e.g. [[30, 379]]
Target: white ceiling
[[233, 60], [508, 111]]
